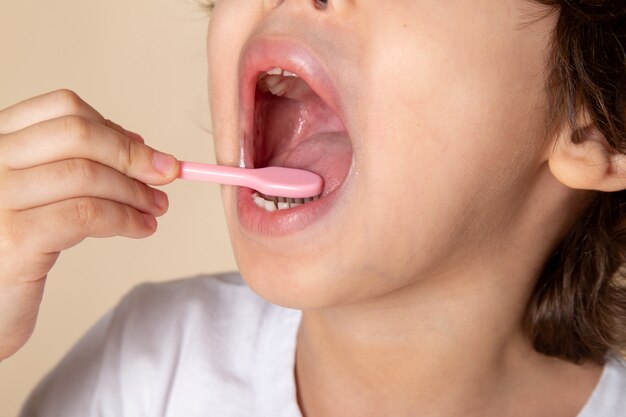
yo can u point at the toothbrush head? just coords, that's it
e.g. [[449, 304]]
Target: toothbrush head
[[287, 182]]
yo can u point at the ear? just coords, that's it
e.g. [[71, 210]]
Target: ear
[[590, 164]]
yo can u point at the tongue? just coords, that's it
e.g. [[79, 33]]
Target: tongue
[[329, 155], [300, 131]]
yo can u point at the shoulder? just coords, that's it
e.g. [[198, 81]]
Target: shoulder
[[207, 296], [160, 343], [609, 397], [613, 383], [185, 292], [152, 310], [208, 312]]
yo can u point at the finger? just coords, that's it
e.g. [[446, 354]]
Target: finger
[[129, 134], [59, 226], [19, 305], [73, 178], [75, 137], [53, 105], [45, 107]]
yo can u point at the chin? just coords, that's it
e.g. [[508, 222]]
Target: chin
[[297, 285]]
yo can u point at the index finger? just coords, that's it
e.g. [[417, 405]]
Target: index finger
[[71, 137], [53, 105]]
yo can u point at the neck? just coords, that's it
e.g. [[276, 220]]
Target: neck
[[410, 348], [449, 345]]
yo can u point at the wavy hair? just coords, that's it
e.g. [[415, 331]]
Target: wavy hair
[[578, 308]]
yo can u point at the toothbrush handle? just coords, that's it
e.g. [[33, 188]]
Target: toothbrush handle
[[196, 171]]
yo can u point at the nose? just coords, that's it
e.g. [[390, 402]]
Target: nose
[[318, 4], [271, 4]]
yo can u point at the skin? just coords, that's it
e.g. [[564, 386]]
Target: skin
[[414, 288], [66, 173]]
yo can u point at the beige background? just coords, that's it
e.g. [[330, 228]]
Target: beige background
[[140, 63]]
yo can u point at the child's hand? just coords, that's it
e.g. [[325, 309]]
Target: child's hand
[[66, 173]]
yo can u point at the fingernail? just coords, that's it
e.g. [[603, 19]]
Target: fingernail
[[160, 199], [164, 163], [150, 221]]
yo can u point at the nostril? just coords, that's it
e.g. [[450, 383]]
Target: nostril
[[321, 4]]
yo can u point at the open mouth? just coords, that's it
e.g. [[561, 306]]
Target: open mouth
[[294, 127]]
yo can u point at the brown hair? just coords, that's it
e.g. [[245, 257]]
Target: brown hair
[[578, 308]]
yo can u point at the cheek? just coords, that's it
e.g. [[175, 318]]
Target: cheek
[[228, 30], [452, 132]]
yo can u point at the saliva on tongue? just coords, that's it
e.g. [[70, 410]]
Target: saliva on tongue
[[303, 133]]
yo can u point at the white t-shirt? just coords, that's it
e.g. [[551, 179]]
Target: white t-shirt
[[204, 347]]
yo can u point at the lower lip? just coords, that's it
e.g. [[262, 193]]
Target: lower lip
[[259, 221]]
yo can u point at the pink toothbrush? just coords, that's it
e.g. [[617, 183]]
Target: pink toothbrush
[[271, 181]]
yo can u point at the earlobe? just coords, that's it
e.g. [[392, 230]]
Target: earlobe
[[590, 164]]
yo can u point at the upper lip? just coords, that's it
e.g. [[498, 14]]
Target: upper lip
[[261, 54]]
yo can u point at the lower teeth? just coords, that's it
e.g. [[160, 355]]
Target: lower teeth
[[271, 203]]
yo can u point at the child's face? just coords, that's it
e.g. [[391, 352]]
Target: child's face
[[433, 139]]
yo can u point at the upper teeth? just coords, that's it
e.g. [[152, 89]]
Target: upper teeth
[[278, 71], [274, 80], [271, 203]]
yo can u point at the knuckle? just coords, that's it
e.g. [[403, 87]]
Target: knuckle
[[68, 100], [85, 211], [82, 171], [128, 216], [12, 236], [142, 191], [82, 168], [128, 155], [76, 128], [139, 191], [6, 191]]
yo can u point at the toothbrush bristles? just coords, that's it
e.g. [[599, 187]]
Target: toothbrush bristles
[[290, 200], [272, 203]]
